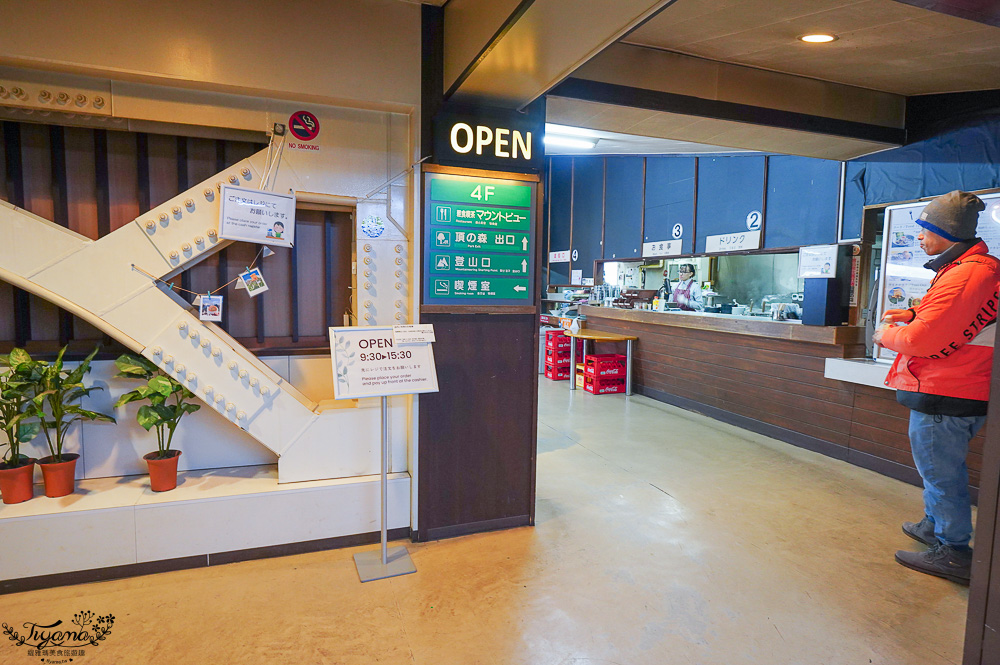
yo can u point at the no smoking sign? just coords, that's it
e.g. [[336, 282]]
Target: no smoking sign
[[303, 126]]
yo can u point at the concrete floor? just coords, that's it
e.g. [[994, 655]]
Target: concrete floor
[[662, 537]]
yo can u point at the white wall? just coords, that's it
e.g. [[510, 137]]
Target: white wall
[[347, 52]]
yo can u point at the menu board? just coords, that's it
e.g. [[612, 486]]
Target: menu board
[[904, 279], [478, 239]]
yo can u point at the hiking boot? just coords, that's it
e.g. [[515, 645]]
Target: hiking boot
[[922, 531], [940, 560]]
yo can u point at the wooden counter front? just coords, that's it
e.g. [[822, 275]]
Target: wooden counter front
[[767, 376]]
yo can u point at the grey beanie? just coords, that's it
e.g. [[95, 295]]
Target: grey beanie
[[953, 216]]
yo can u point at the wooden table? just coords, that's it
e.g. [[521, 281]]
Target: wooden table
[[598, 336]]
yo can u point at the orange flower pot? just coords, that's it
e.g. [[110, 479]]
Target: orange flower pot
[[16, 483], [162, 472], [60, 477]]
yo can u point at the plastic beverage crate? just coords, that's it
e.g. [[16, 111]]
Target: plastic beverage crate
[[609, 386], [557, 357], [557, 372], [605, 365]]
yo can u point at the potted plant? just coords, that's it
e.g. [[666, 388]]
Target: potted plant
[[17, 386], [55, 393], [166, 406]]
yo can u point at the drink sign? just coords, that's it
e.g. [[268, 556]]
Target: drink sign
[[732, 242], [368, 362]]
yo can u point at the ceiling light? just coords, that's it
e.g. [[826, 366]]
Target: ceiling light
[[567, 142], [566, 130], [818, 38]]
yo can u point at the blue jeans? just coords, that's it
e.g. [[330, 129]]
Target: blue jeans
[[940, 445]]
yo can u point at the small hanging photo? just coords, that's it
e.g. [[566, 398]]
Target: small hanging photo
[[210, 308], [254, 282]]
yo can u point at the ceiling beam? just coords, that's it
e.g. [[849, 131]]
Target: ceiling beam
[[526, 51]]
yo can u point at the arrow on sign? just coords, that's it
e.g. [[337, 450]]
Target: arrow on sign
[[524, 265], [520, 288], [524, 244]]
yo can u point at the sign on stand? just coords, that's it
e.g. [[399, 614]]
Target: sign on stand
[[378, 362], [367, 362]]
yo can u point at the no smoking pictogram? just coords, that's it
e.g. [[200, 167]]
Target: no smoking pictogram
[[303, 125]]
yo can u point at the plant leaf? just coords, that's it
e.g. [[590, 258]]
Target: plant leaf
[[147, 417], [162, 385]]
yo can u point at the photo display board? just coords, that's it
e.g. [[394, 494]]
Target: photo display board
[[904, 279], [479, 244]]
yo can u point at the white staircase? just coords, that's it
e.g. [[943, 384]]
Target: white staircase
[[96, 281]]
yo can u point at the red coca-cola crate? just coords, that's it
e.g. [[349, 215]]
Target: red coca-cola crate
[[558, 357], [609, 386], [602, 365], [557, 372], [556, 339]]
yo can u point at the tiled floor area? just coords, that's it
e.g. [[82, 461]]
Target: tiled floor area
[[662, 537]]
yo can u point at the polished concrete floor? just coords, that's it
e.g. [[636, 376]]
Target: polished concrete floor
[[662, 537]]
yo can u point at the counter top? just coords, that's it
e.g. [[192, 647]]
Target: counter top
[[740, 325]]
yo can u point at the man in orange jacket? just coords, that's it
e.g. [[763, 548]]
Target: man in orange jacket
[[942, 374]]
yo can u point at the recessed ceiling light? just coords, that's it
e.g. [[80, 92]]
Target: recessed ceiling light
[[818, 38], [566, 130]]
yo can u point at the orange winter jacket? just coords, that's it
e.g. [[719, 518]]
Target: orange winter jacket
[[948, 349]]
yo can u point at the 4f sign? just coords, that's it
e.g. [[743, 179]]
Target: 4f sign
[[501, 142], [483, 192]]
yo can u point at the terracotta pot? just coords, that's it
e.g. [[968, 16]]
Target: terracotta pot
[[162, 472], [60, 477], [16, 483]]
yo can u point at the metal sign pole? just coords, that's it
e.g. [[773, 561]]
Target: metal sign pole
[[386, 563]]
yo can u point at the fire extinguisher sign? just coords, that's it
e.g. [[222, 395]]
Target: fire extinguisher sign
[[304, 128]]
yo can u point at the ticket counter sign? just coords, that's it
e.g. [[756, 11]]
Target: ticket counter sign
[[371, 362], [479, 238]]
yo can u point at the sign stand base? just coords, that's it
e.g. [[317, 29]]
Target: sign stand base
[[385, 562], [370, 566]]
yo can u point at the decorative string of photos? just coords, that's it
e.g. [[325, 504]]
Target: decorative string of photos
[[248, 215]]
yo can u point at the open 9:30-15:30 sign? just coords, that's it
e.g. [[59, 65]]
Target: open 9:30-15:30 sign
[[388, 355]]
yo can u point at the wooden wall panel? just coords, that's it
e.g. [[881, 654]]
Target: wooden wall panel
[[36, 164], [242, 313], [277, 271], [339, 251], [123, 179], [163, 183], [81, 193], [776, 382], [201, 164], [309, 241]]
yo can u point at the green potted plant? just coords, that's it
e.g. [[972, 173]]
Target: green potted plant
[[17, 386], [167, 404], [56, 392]]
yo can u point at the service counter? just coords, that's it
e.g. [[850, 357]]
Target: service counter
[[770, 377]]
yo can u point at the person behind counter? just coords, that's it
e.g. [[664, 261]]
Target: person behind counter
[[687, 293]]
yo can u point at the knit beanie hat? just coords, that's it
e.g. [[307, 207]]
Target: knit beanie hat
[[953, 216]]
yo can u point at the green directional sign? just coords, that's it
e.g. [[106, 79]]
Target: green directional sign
[[480, 264], [452, 239], [479, 216], [479, 233], [462, 287], [479, 191]]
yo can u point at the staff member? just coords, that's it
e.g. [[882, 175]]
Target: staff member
[[942, 374], [687, 293]]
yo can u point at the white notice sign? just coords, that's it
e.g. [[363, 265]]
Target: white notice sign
[[255, 216], [818, 261], [559, 257], [368, 363], [661, 248], [733, 242], [422, 333]]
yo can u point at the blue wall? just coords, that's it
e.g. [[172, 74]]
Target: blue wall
[[631, 200]]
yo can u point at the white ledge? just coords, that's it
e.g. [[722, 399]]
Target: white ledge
[[864, 371]]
